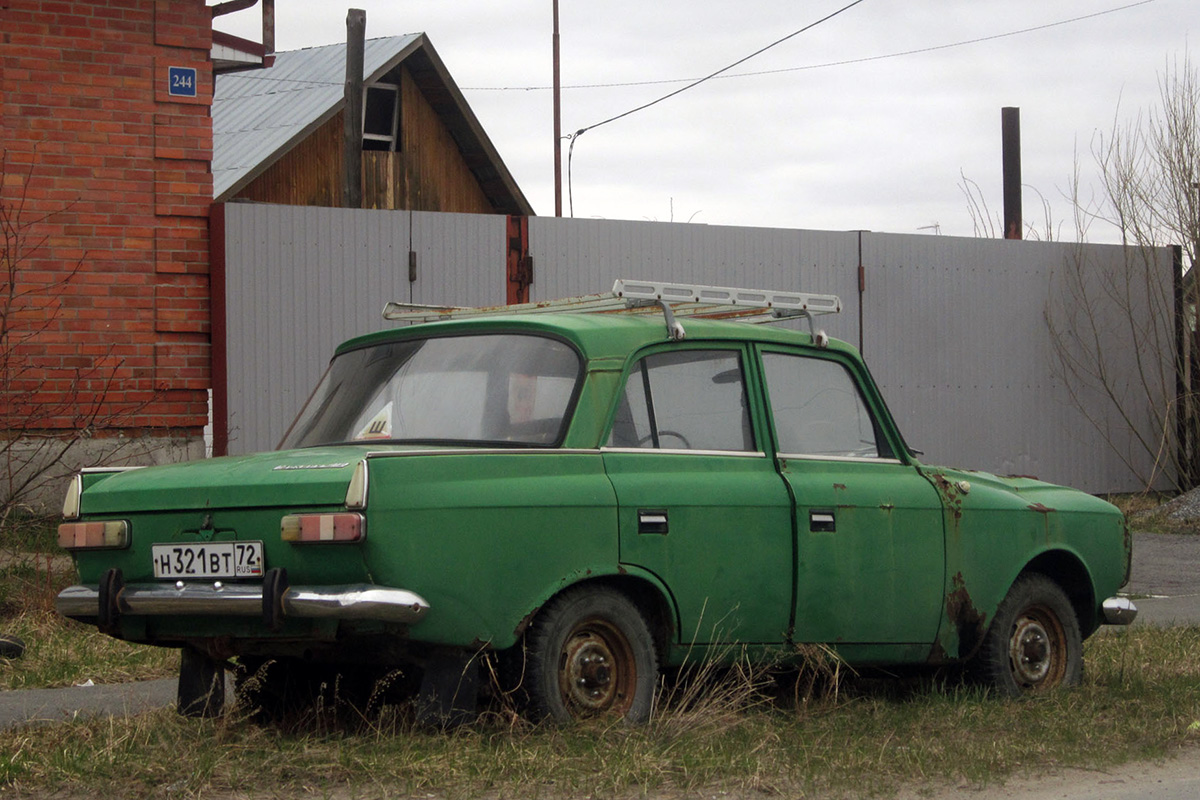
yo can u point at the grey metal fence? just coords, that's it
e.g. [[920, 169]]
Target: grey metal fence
[[954, 329]]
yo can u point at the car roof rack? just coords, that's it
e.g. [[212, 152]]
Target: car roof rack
[[672, 299]]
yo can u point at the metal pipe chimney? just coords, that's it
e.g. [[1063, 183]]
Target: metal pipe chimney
[[1010, 133]]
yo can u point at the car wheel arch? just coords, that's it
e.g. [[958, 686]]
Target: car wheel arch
[[642, 589], [1071, 574], [1063, 567]]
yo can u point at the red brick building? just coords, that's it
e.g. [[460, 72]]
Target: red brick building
[[107, 146], [106, 291]]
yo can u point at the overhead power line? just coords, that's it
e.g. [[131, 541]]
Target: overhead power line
[[575, 136], [824, 65]]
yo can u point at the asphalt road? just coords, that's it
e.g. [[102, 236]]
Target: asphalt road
[[52, 705], [1166, 578]]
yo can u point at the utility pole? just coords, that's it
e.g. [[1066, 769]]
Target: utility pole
[[557, 124]]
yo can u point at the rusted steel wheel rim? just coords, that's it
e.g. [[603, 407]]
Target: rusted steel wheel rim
[[597, 671], [1037, 651]]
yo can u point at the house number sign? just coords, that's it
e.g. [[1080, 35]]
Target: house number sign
[[181, 81]]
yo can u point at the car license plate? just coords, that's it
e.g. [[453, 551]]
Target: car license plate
[[208, 560]]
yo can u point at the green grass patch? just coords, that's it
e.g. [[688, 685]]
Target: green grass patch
[[60, 652], [1140, 699]]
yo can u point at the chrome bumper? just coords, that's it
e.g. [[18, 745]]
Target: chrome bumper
[[1119, 611], [354, 601]]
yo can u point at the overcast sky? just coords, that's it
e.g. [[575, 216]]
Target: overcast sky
[[832, 132]]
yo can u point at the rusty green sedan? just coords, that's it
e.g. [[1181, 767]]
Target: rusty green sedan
[[594, 497]]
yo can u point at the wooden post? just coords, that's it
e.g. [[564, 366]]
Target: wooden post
[[356, 30]]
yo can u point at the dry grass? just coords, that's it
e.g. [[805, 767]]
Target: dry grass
[[1145, 514], [735, 730], [743, 727], [60, 652], [64, 653]]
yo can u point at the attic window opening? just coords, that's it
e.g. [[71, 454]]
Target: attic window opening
[[381, 117]]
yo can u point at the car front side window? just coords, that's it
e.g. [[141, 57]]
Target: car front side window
[[818, 409], [685, 400]]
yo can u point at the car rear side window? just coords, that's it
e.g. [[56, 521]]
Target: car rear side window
[[476, 389], [817, 408], [685, 400]]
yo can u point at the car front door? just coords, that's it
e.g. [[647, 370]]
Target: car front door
[[870, 554], [700, 503]]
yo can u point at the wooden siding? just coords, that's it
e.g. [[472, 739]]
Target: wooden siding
[[436, 176], [428, 174], [307, 175]]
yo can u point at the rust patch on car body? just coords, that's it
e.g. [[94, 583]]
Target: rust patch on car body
[[968, 621], [1041, 509], [950, 492], [523, 625]]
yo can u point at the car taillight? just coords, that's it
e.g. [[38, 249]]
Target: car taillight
[[93, 535], [74, 496], [341, 527], [356, 492]]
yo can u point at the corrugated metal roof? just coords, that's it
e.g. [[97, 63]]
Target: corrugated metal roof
[[259, 115]]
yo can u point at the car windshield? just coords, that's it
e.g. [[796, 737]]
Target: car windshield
[[492, 389]]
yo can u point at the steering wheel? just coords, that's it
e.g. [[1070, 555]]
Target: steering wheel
[[673, 434]]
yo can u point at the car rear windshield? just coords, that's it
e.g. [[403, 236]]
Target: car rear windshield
[[490, 389]]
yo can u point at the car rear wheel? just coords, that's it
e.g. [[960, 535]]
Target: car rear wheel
[[1034, 644], [590, 654]]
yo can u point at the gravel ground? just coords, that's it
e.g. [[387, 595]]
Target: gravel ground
[[1185, 509]]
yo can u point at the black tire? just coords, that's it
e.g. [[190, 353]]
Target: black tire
[[201, 690], [1034, 644], [11, 646], [590, 654]]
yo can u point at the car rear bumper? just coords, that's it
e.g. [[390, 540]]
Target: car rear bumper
[[1119, 611], [352, 601]]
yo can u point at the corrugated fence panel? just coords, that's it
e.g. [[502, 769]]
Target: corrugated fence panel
[[956, 336], [460, 258], [954, 329], [300, 280], [574, 257]]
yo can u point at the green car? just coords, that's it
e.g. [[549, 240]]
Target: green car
[[593, 496]]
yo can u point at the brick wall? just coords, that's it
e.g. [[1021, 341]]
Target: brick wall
[[113, 172]]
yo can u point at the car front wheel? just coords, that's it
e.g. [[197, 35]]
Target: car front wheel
[[590, 654], [1034, 644]]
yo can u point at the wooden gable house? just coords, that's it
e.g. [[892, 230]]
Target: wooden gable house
[[278, 134]]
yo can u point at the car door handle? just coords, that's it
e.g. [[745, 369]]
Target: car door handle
[[822, 522], [652, 521]]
